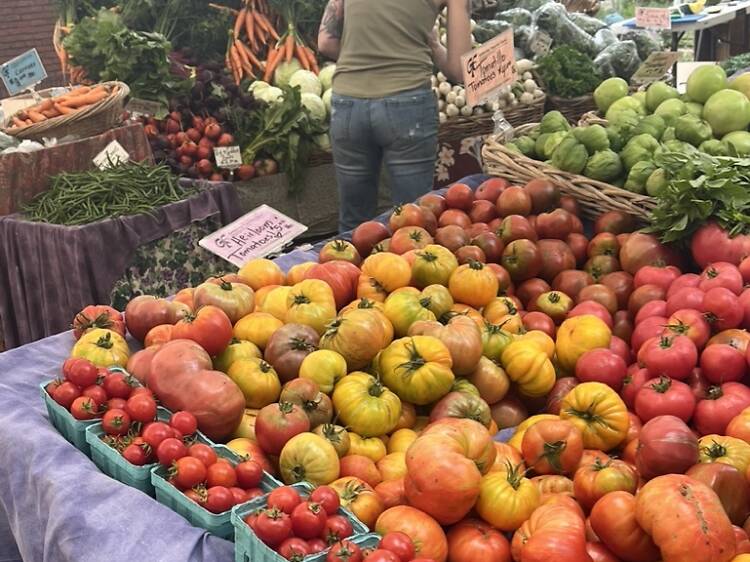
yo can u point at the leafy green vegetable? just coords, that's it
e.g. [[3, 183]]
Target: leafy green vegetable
[[568, 73], [738, 62]]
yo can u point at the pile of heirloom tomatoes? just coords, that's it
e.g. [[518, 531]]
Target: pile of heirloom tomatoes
[[385, 369]]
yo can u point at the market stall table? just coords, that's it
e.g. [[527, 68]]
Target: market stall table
[[55, 504]]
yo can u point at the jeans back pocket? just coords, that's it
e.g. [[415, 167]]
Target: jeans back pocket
[[413, 116], [341, 118]]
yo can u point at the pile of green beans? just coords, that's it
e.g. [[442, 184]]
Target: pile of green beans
[[77, 198]]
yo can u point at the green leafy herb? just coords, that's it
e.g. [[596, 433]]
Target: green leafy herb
[[568, 73], [738, 62]]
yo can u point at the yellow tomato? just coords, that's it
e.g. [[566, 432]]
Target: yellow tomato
[[358, 335], [246, 428], [473, 284], [261, 272], [391, 271], [405, 306], [325, 367], [372, 448], [297, 272], [308, 457], [392, 466], [432, 265], [726, 450], [469, 311], [368, 288], [275, 302], [438, 299], [104, 348], [494, 340], [257, 380], [527, 365], [311, 302], [365, 406], [400, 440], [741, 558], [497, 308], [238, 349], [365, 303], [541, 339], [578, 335], [507, 499], [359, 498], [336, 436], [261, 295], [599, 412], [517, 438], [257, 328]]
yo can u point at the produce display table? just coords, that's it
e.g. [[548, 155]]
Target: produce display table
[[55, 505]]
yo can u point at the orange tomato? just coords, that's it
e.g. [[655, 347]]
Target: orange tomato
[[261, 272]]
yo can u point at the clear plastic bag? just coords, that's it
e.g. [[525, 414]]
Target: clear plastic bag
[[589, 24], [604, 38], [645, 41], [619, 59], [553, 19], [522, 37], [515, 16]]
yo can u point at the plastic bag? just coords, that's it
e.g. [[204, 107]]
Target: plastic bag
[[488, 29], [515, 16], [553, 19], [619, 59], [587, 23], [6, 141], [604, 38], [645, 41], [522, 37]]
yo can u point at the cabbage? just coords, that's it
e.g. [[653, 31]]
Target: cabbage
[[326, 76], [269, 95], [327, 100], [307, 81], [284, 72], [604, 165], [315, 106]]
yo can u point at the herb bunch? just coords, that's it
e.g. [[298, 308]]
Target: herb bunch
[[568, 73]]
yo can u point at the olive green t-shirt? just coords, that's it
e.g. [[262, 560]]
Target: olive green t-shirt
[[384, 47]]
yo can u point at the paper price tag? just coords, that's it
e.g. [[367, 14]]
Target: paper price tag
[[257, 234], [540, 43], [503, 128], [23, 72], [488, 68], [228, 157], [138, 107], [112, 155], [654, 67], [653, 18]]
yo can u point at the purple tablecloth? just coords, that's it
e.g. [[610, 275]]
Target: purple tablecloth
[[55, 505]]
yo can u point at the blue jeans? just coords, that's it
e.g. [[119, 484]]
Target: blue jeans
[[400, 131]]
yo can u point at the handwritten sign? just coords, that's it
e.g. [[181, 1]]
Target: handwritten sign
[[260, 232], [112, 155], [540, 43], [653, 18], [654, 67], [488, 68], [138, 107], [228, 157], [23, 72]]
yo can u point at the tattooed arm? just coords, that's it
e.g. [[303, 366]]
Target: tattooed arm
[[331, 28], [459, 39]]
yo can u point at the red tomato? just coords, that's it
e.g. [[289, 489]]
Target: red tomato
[[170, 450], [367, 234], [631, 384], [688, 297], [209, 327], [98, 316], [601, 365], [96, 392], [473, 540], [489, 189], [65, 394], [277, 423], [399, 544], [142, 390], [316, 545], [459, 196], [654, 275], [674, 357], [722, 363], [613, 520], [142, 408], [593, 308], [651, 308], [723, 309], [219, 499], [294, 548], [273, 527], [249, 474], [328, 498], [308, 520], [539, 321], [116, 404], [683, 281], [721, 274], [285, 499], [116, 385], [155, 432], [336, 528], [81, 372], [691, 323], [344, 551], [135, 454], [618, 346], [184, 422], [238, 495], [650, 328], [721, 404], [188, 472], [382, 555], [221, 474], [665, 446], [84, 408], [662, 397], [253, 493], [203, 453], [116, 422]]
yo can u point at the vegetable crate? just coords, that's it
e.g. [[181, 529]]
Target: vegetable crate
[[249, 548], [595, 197], [113, 464], [218, 524], [63, 421]]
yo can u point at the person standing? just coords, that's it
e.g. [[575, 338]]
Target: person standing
[[383, 109]]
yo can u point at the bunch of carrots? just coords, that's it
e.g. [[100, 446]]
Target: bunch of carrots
[[75, 74], [70, 102], [262, 49]]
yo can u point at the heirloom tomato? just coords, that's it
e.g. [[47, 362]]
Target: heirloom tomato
[[311, 302], [391, 271], [554, 304], [507, 499], [517, 439], [433, 265], [665, 445], [552, 447], [522, 259], [277, 423], [472, 540], [103, 348], [144, 312], [527, 364], [392, 466], [578, 335], [365, 406], [404, 307], [595, 480], [341, 276], [367, 235], [671, 356], [336, 435], [309, 457], [664, 397], [460, 335], [257, 328], [358, 497], [298, 272], [723, 309], [409, 238], [490, 379], [306, 394], [739, 426], [261, 272], [722, 363], [273, 301], [601, 365], [324, 367], [726, 450], [235, 351], [473, 284], [357, 335], [729, 484], [371, 447], [288, 347], [613, 520], [720, 405], [426, 534], [209, 327], [340, 250], [235, 299], [599, 413], [98, 316], [495, 340]]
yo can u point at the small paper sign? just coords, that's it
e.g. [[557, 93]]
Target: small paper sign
[[503, 128], [228, 157], [540, 43], [23, 72], [654, 67], [653, 18], [138, 107], [260, 232], [112, 155], [488, 68]]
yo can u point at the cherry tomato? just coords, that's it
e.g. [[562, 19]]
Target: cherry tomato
[[221, 474], [253, 493], [293, 548], [219, 499], [184, 422], [187, 472], [177, 434], [65, 394], [316, 545], [96, 392], [328, 498], [116, 422], [249, 474], [381, 555], [136, 454], [285, 499], [81, 372], [344, 551], [117, 386], [203, 453], [116, 404], [240, 495], [337, 528], [154, 433], [142, 408], [84, 408], [142, 390], [52, 386], [195, 496], [399, 544], [170, 450], [273, 527], [308, 520], [251, 519]]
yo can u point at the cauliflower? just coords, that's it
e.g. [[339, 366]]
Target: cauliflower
[[307, 82], [269, 95], [315, 106], [326, 76]]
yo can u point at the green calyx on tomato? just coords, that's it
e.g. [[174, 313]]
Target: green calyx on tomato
[[514, 476], [351, 492], [376, 389], [105, 342], [416, 361], [427, 256], [476, 265], [715, 450], [300, 344], [286, 407], [662, 385], [714, 392], [366, 303], [301, 299], [552, 452]]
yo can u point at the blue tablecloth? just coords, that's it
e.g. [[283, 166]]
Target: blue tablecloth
[[55, 505]]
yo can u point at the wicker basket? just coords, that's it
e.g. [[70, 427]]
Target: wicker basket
[[595, 197], [592, 118], [459, 128], [572, 108], [88, 122]]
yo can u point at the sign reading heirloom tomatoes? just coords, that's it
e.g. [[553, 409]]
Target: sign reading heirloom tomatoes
[[488, 68], [260, 232]]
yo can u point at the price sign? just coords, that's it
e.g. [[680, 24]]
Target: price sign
[[228, 157], [488, 68], [138, 107], [503, 128], [112, 155], [540, 43], [653, 18], [654, 67], [260, 232], [22, 72]]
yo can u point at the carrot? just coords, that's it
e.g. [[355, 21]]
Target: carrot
[[266, 25], [239, 22], [28, 122], [64, 110], [87, 99], [63, 55], [247, 66], [288, 47], [35, 116], [299, 53], [50, 113], [80, 90], [18, 122], [236, 62], [274, 55], [46, 104], [251, 57], [250, 29], [313, 60]]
